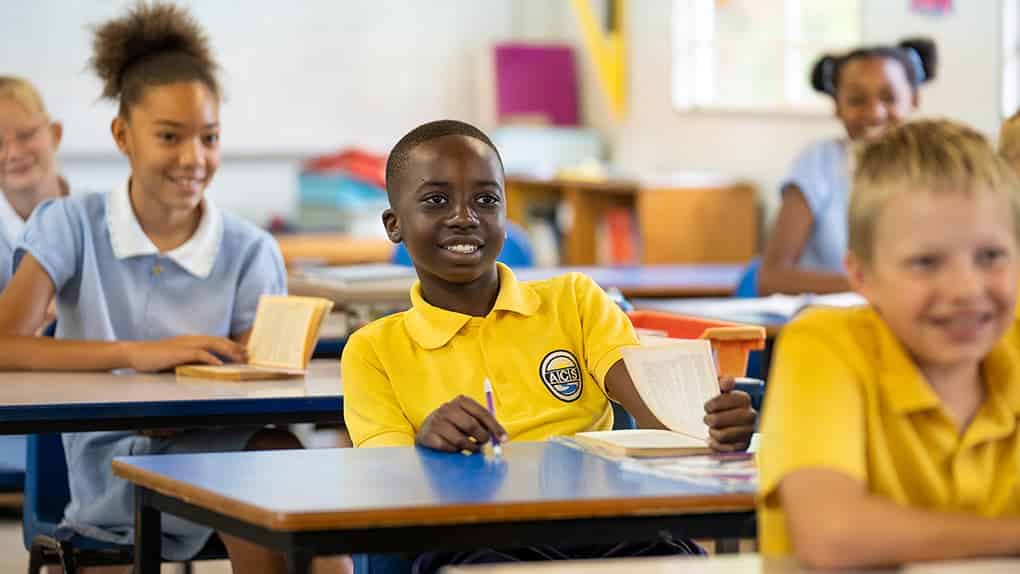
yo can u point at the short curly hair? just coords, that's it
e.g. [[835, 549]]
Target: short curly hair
[[401, 153]]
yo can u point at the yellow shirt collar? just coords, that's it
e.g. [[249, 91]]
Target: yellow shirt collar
[[432, 327], [908, 391]]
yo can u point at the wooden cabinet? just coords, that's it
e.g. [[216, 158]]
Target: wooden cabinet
[[696, 224]]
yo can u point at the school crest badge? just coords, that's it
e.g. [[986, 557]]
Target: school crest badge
[[561, 373]]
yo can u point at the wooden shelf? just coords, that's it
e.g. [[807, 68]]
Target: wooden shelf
[[330, 249], [676, 224]]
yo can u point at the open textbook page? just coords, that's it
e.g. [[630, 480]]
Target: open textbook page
[[282, 340], [675, 379]]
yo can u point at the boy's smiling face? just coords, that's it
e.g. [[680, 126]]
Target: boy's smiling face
[[450, 209], [943, 273]]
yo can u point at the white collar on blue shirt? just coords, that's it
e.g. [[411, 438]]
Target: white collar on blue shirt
[[11, 224], [196, 255]]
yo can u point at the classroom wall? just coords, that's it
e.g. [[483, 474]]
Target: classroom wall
[[374, 69], [655, 137]]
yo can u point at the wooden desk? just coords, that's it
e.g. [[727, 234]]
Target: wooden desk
[[692, 222], [38, 402], [742, 564], [682, 280], [416, 500], [733, 310], [770, 312], [333, 249]]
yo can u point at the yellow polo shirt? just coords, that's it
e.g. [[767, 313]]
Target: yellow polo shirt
[[545, 346], [844, 395]]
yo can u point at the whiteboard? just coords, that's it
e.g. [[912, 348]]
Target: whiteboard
[[298, 76]]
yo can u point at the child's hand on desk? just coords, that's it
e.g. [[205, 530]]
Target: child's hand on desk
[[459, 425], [159, 355], [730, 418]]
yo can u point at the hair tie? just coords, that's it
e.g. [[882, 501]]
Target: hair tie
[[915, 60], [829, 75]]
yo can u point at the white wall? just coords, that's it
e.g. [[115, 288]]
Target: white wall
[[300, 78], [654, 136]]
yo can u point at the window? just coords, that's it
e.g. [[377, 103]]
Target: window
[[756, 55], [1010, 57]]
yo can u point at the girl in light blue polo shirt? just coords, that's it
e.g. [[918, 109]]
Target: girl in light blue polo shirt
[[873, 88], [152, 265]]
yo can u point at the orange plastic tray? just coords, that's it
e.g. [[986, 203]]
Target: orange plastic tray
[[732, 342]]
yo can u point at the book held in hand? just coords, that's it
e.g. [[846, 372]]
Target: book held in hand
[[675, 378], [282, 340]]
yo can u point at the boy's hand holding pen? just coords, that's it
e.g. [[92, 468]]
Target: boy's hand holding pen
[[497, 447], [460, 425]]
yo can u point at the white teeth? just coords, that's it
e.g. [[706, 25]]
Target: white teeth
[[462, 248]]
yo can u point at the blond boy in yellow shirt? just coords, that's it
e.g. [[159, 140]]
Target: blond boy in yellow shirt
[[890, 431]]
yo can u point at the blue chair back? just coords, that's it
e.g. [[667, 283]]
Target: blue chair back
[[517, 252], [46, 488], [12, 463], [748, 285]]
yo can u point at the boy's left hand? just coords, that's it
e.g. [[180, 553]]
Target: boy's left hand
[[730, 418]]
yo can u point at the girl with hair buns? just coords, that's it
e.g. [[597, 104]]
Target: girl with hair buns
[[28, 170], [148, 276], [873, 89]]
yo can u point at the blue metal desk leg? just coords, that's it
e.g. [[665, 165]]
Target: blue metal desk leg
[[299, 560], [148, 534]]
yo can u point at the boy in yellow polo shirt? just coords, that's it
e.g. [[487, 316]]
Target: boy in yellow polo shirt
[[551, 349], [890, 431]]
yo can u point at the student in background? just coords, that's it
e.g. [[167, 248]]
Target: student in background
[[417, 377], [28, 169], [149, 275], [873, 89], [890, 433]]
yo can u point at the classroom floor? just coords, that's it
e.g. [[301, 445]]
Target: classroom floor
[[14, 557]]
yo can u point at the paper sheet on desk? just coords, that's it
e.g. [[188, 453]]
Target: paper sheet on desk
[[734, 471]]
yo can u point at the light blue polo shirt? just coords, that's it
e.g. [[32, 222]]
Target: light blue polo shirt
[[11, 226], [822, 175], [113, 284], [6, 256]]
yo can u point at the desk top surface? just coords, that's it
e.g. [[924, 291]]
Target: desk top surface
[[47, 397], [734, 564], [667, 280], [681, 280], [771, 312], [357, 488]]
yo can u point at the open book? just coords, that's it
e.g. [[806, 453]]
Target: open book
[[281, 343], [675, 377]]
